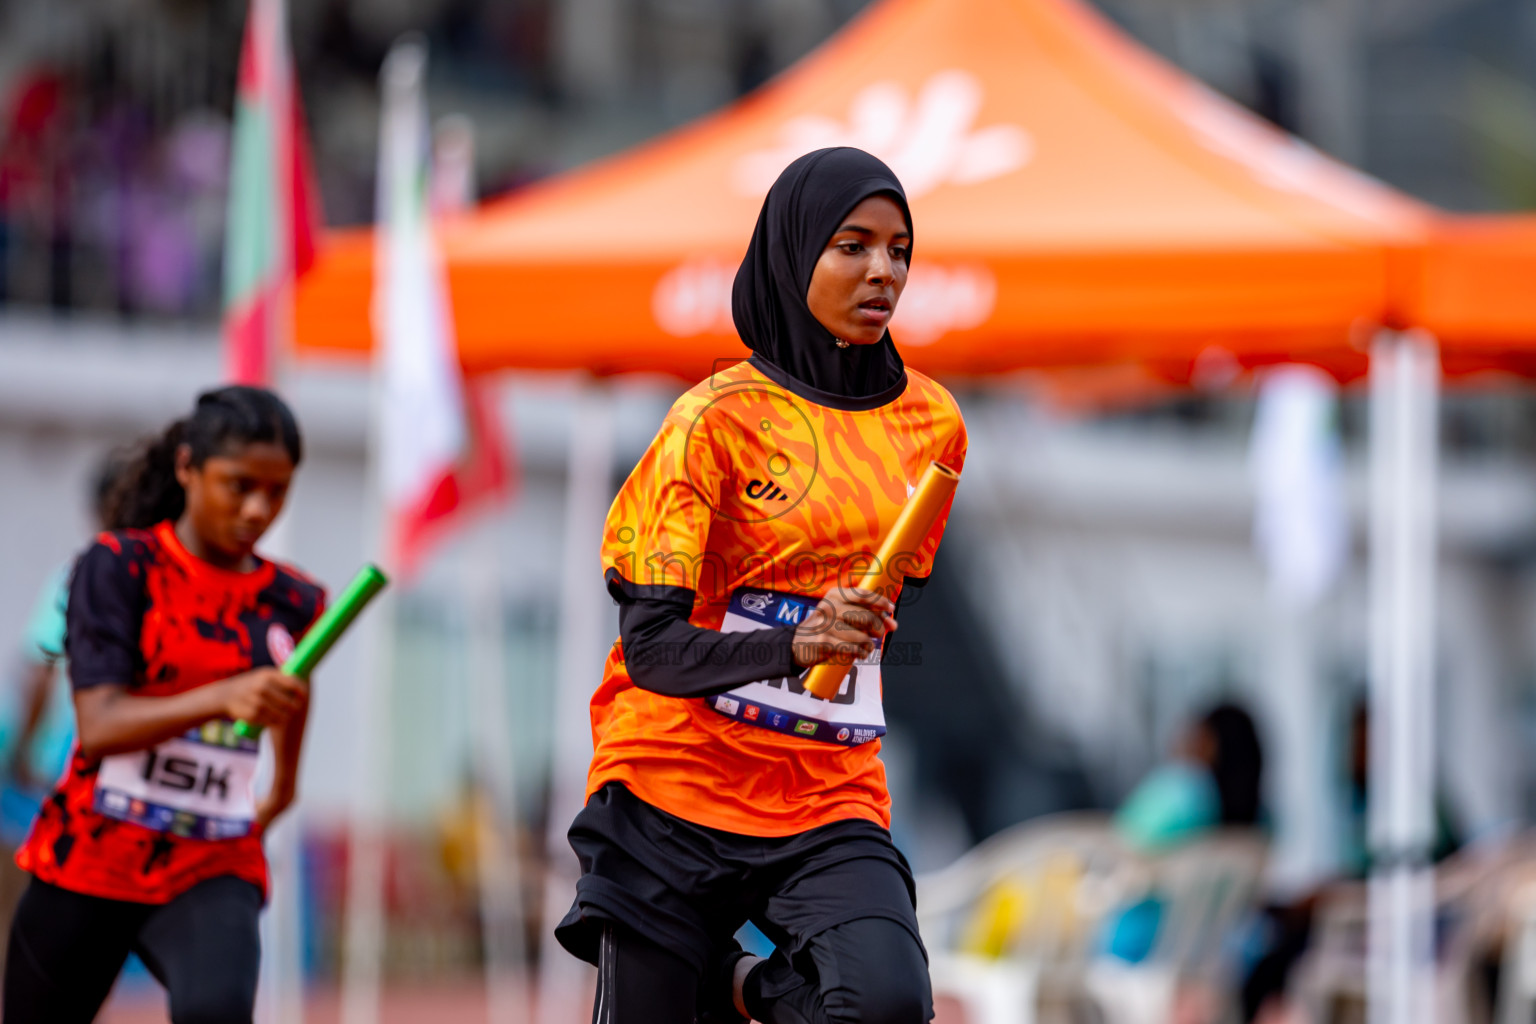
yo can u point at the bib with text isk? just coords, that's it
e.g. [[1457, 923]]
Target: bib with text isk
[[201, 784]]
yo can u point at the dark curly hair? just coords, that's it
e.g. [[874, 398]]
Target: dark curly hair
[[146, 491]]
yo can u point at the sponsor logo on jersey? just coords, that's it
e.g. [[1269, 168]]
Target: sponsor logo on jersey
[[843, 734], [805, 728], [751, 712], [729, 705], [279, 643], [765, 489]]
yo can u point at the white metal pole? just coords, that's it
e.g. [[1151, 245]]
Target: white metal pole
[[365, 922], [281, 993], [280, 999], [582, 648], [1301, 780], [1405, 380], [497, 857]]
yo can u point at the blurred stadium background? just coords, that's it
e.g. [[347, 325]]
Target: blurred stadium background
[[1100, 587]]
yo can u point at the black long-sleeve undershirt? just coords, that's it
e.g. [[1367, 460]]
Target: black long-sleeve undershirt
[[667, 654]]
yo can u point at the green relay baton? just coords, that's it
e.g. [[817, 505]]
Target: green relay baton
[[322, 636]]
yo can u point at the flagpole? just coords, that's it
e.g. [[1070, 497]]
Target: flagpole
[[582, 647], [281, 990], [366, 921]]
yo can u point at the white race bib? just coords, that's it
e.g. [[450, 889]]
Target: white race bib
[[852, 717], [201, 784]]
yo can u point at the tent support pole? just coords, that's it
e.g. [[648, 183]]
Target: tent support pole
[[1404, 420]]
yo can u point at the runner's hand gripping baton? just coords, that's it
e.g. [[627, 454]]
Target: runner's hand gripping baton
[[907, 534], [365, 586]]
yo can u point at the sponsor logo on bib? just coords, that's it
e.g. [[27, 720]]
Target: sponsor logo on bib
[[757, 603], [279, 643]]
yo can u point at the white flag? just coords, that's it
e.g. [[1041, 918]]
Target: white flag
[[1300, 520], [440, 450]]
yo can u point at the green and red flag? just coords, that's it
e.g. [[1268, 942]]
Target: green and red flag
[[274, 209]]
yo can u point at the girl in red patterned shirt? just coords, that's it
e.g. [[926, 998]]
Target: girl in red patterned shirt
[[151, 842]]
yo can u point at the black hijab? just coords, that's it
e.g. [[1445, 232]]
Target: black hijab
[[804, 207]]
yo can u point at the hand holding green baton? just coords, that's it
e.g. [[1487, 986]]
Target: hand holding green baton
[[365, 586]]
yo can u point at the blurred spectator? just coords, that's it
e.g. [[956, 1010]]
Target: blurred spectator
[[1287, 928], [1356, 854], [174, 219], [37, 731], [34, 168], [1212, 780]]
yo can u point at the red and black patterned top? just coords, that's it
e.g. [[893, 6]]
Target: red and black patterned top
[[147, 614]]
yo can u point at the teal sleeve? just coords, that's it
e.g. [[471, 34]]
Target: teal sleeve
[[1173, 804], [45, 630]]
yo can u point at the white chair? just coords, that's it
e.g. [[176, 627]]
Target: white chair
[[1517, 978], [1205, 888], [1329, 981], [1064, 872]]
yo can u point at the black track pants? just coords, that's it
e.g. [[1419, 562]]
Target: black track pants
[[867, 971], [66, 950], [638, 982]]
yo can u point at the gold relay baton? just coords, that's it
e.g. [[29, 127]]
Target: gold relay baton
[[908, 532]]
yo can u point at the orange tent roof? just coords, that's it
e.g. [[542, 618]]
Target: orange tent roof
[[1477, 292], [1076, 201]]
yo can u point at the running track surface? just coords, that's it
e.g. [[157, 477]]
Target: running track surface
[[462, 1003], [459, 1003]]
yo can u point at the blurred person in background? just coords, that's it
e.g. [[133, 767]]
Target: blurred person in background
[[34, 171], [151, 842], [40, 730], [1288, 929], [1212, 780]]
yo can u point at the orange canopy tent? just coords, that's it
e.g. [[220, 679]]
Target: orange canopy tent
[[1076, 202], [1477, 292]]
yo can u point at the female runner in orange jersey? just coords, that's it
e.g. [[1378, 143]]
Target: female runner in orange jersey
[[151, 843], [720, 791]]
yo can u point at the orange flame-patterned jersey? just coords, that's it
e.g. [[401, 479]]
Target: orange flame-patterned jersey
[[749, 485], [146, 614]]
